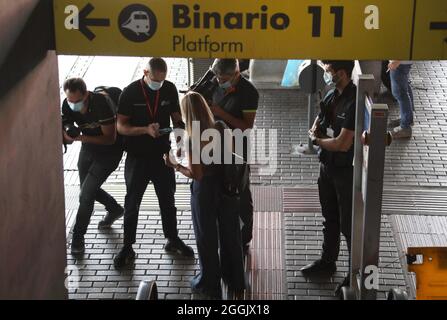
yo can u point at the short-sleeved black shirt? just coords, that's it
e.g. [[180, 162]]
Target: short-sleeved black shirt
[[338, 112], [99, 113], [244, 98], [133, 104]]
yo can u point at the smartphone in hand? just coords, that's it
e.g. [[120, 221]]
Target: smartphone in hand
[[165, 131]]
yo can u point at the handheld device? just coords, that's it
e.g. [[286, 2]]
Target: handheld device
[[165, 131]]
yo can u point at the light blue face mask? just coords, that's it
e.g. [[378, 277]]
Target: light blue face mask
[[76, 107], [154, 85], [330, 79], [225, 85]]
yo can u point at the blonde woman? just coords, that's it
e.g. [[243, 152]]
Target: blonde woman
[[214, 229]]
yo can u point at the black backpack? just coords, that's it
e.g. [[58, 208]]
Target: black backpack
[[235, 176], [112, 95]]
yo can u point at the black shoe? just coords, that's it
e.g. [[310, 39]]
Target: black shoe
[[178, 246], [235, 294], [345, 283], [124, 257], [77, 245], [109, 219], [319, 267], [205, 294]]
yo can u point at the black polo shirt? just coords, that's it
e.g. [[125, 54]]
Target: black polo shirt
[[337, 113], [99, 113], [244, 97], [133, 104]]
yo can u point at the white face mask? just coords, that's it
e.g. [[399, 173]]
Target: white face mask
[[228, 84], [76, 107]]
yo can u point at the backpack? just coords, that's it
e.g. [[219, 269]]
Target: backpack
[[235, 176], [112, 95]]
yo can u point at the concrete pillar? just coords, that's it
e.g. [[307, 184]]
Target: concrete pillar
[[32, 227], [267, 74]]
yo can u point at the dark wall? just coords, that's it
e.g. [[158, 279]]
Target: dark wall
[[11, 28], [32, 218]]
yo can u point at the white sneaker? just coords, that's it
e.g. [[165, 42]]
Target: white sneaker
[[401, 133], [396, 123]]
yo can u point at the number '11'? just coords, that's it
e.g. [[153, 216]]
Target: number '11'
[[316, 23]]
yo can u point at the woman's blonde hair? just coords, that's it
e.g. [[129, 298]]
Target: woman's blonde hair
[[195, 108]]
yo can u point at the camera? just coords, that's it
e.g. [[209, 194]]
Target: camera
[[206, 85], [71, 130]]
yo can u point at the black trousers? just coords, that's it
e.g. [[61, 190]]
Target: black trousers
[[139, 171], [94, 169], [246, 213], [335, 189]]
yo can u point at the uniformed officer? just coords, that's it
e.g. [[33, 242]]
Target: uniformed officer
[[235, 102], [100, 154], [146, 106], [333, 131]]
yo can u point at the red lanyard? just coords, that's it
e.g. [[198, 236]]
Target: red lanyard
[[152, 114]]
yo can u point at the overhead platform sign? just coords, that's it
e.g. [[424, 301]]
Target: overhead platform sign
[[269, 29]]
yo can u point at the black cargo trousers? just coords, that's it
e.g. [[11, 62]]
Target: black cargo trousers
[[94, 169], [335, 186]]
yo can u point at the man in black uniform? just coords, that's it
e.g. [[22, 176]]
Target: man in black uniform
[[100, 155], [145, 107], [235, 101], [334, 131]]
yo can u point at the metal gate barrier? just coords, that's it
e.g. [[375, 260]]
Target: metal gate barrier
[[371, 140]]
